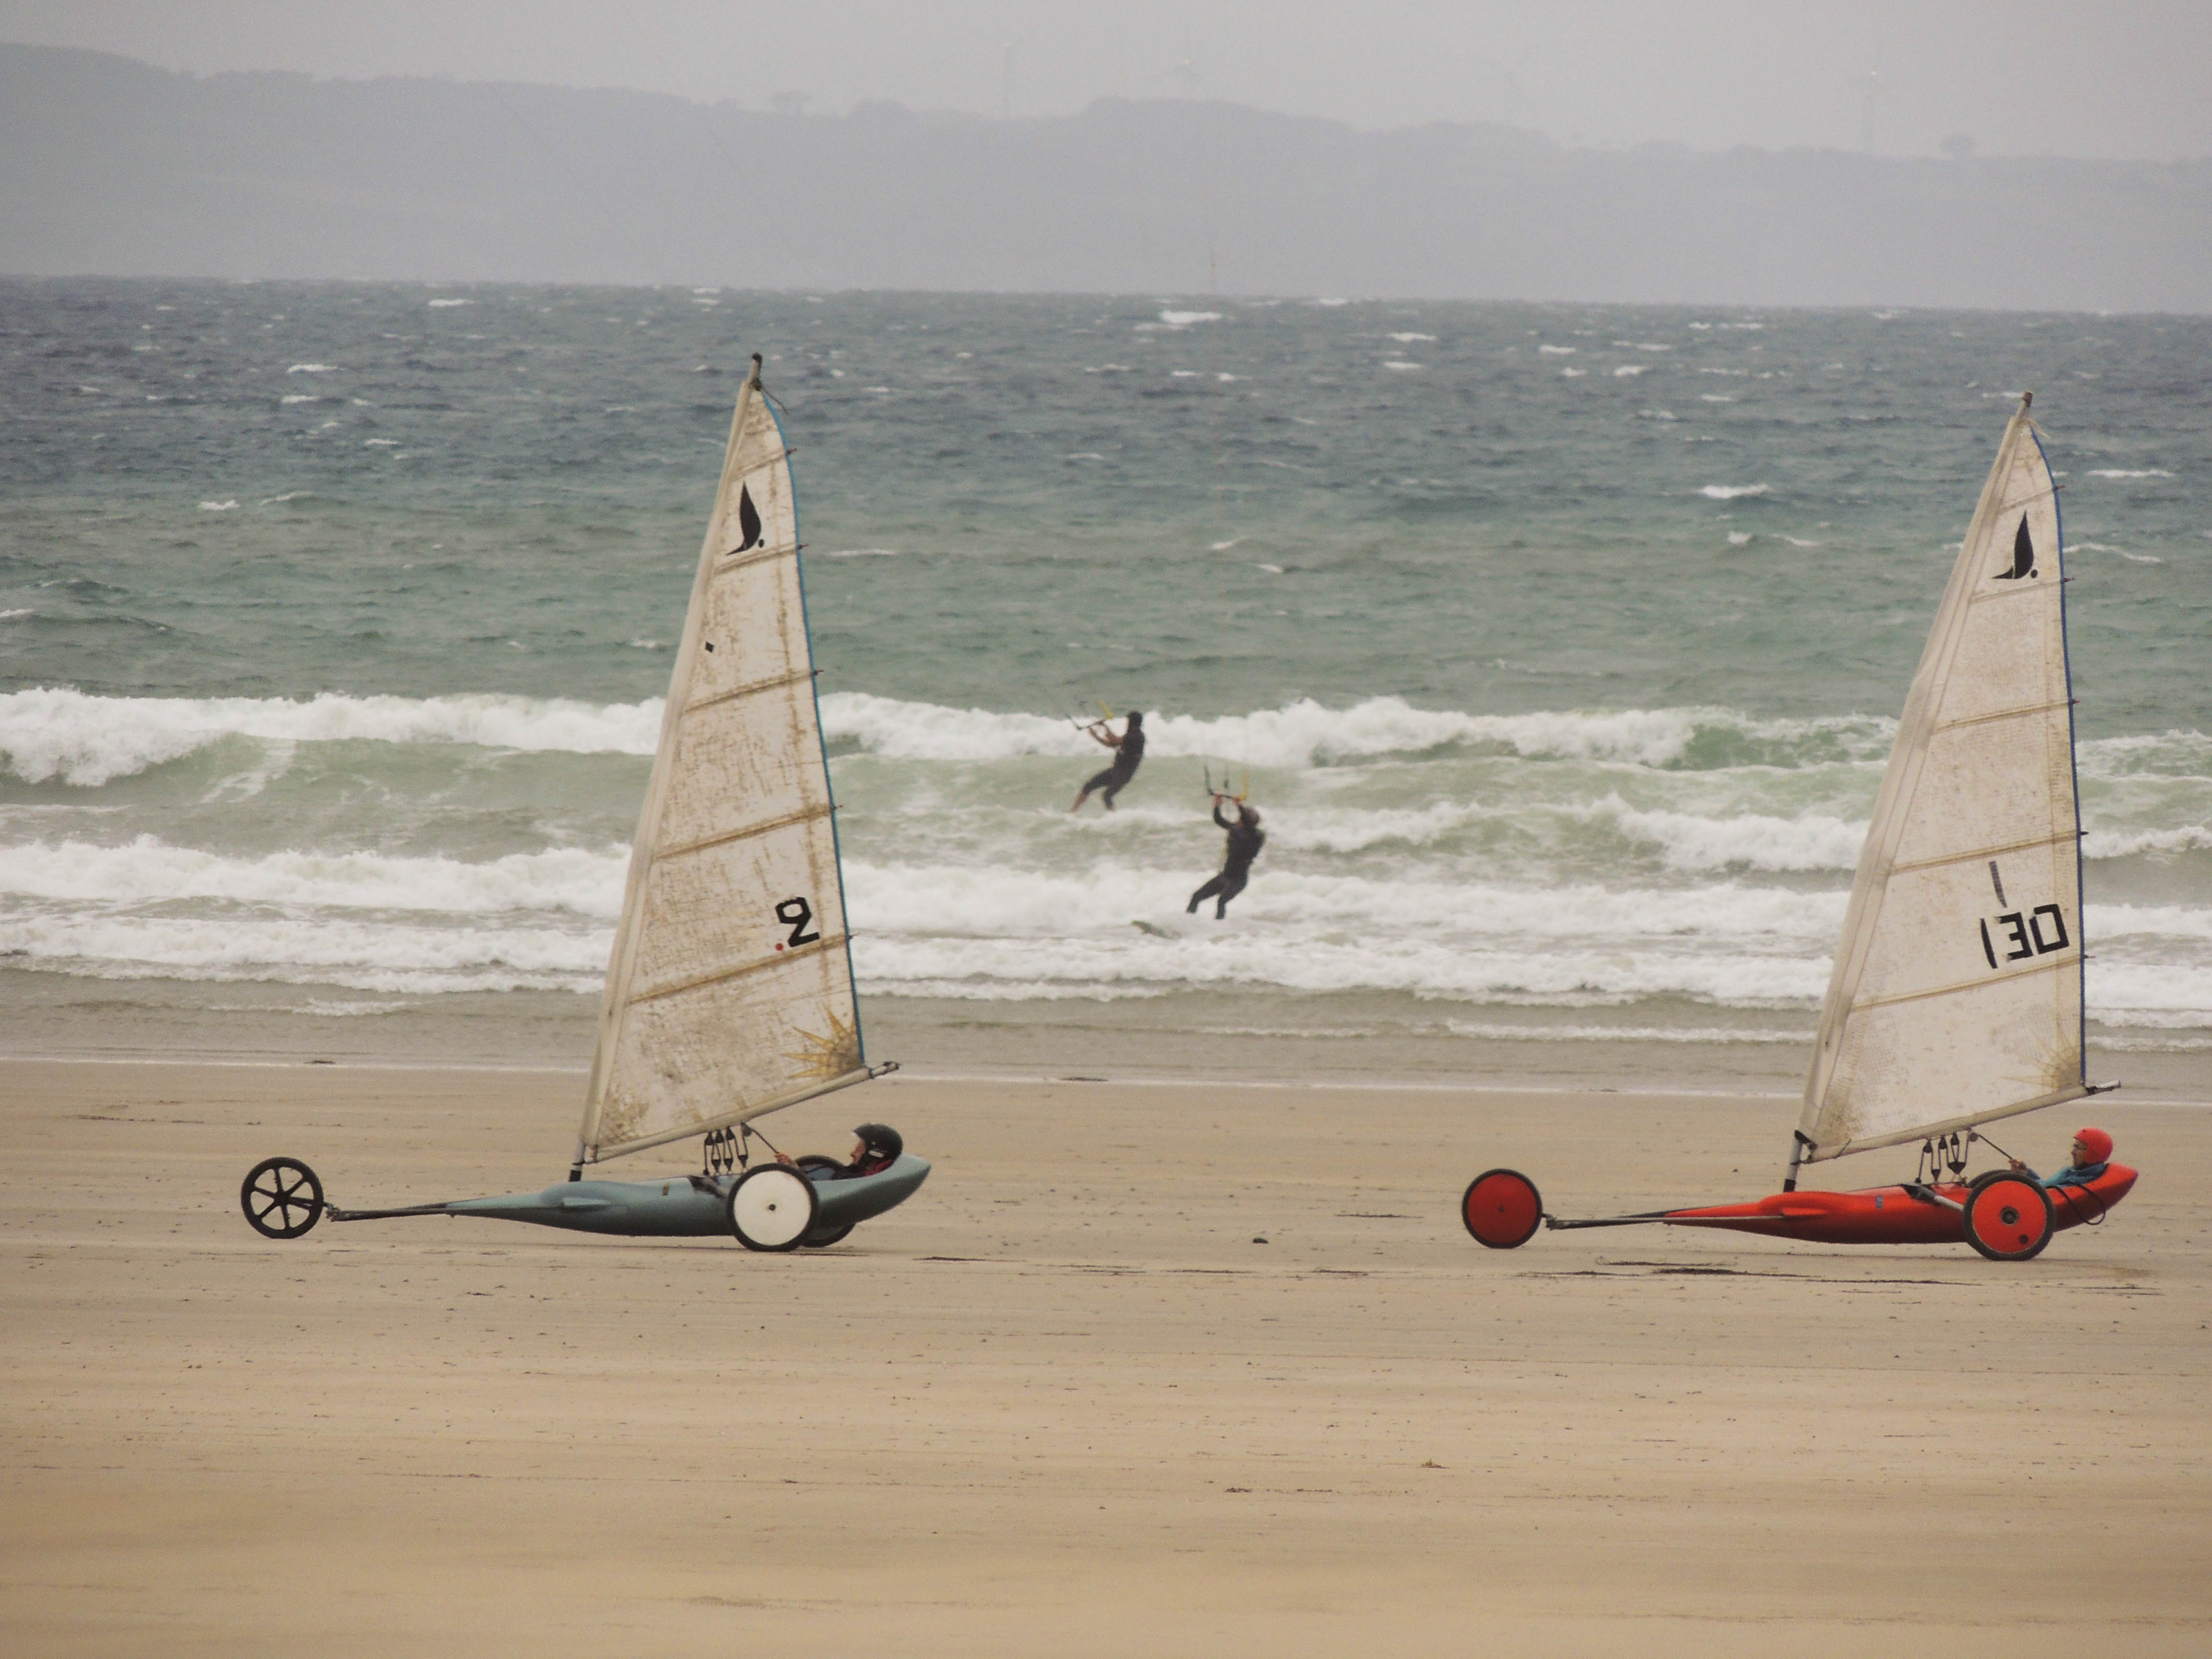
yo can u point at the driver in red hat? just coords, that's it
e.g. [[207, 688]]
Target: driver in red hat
[[2092, 1152]]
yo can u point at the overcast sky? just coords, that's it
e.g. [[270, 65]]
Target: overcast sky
[[2120, 78]]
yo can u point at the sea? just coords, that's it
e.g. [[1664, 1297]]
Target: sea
[[1560, 647]]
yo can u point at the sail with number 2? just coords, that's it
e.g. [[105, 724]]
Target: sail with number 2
[[730, 991], [1956, 996]]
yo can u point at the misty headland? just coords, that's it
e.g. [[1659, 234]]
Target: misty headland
[[115, 167]]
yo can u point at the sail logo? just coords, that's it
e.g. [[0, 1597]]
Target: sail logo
[[2023, 556], [2022, 933], [749, 522]]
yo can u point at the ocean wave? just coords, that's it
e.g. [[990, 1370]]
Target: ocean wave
[[1751, 841], [1307, 733], [1731, 492], [148, 871], [967, 902], [355, 955], [52, 731], [2131, 843], [1713, 1034]]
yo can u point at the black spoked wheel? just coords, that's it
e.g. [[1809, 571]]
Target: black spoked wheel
[[281, 1197], [2008, 1216]]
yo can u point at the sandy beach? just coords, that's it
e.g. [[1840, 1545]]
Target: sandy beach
[[1144, 1369]]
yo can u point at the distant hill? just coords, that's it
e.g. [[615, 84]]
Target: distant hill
[[109, 166]]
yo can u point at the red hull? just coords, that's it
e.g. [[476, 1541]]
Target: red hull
[[1891, 1215]]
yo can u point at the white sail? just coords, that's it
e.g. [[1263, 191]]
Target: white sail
[[1956, 995], [730, 992]]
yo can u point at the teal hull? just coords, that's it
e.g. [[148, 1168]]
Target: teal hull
[[684, 1206]]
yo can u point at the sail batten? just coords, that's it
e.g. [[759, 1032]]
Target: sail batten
[[1956, 993], [730, 988]]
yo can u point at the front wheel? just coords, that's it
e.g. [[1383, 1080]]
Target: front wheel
[[771, 1207], [1501, 1208], [282, 1198], [2008, 1216]]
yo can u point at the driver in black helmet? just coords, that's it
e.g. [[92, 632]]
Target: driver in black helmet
[[876, 1148]]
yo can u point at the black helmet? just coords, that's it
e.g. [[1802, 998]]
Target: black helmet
[[881, 1139]]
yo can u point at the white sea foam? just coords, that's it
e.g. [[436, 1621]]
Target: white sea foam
[[440, 304], [1556, 351], [58, 732], [2100, 547], [11, 616], [148, 871], [1299, 734], [219, 506], [1751, 842], [1574, 374], [869, 552], [300, 398], [1182, 318], [312, 368], [358, 955], [1412, 339], [1626, 370], [1739, 537], [1402, 367], [1726, 1034], [2131, 843], [1731, 492], [2121, 472]]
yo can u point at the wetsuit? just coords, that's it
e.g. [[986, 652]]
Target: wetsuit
[[1116, 777], [2074, 1175], [1244, 843]]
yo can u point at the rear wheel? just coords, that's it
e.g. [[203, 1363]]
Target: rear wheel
[[2008, 1216], [821, 1241], [771, 1208], [1502, 1209], [281, 1197]]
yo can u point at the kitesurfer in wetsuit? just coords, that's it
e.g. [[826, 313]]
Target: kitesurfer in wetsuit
[[1128, 747], [1245, 841], [875, 1149], [2092, 1154]]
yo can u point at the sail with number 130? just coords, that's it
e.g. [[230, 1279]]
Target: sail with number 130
[[1956, 994]]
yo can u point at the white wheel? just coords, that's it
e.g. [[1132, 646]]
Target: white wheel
[[772, 1208]]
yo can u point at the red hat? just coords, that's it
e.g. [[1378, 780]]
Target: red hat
[[2098, 1144]]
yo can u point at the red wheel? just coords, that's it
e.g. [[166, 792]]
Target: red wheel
[[1501, 1209], [2008, 1216]]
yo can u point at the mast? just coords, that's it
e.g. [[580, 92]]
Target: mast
[[729, 991], [1956, 997]]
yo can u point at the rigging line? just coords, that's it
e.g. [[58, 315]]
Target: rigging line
[[805, 815], [1980, 853], [829, 942], [766, 554], [2020, 713], [798, 677], [2032, 495], [2051, 963]]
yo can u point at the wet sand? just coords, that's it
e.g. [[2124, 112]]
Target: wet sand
[[1065, 1402]]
